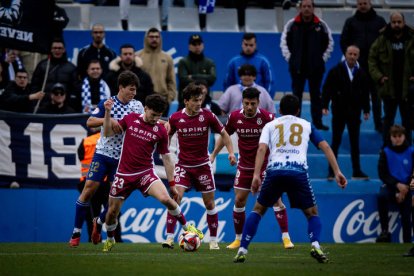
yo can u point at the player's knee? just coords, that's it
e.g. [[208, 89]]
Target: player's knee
[[310, 212], [239, 202], [88, 191], [167, 201]]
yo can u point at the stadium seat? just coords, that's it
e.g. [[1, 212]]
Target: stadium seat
[[409, 17], [375, 3], [399, 3], [261, 20], [183, 19], [75, 17], [222, 20], [329, 3], [142, 18], [335, 18], [106, 15]]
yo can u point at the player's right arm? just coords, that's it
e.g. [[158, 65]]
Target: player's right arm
[[339, 177], [107, 118]]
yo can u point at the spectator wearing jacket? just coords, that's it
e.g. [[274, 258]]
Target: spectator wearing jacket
[[129, 61], [60, 71], [97, 50], [306, 44], [395, 169], [391, 67], [250, 55], [361, 30], [17, 96], [346, 86], [195, 67]]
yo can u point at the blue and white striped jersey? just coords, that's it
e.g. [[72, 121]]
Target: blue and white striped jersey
[[111, 146]]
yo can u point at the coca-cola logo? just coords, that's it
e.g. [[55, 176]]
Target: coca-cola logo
[[354, 224], [149, 224]]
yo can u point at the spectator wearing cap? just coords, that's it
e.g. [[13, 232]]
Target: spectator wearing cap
[[17, 96], [250, 55], [195, 67], [232, 98], [57, 103]]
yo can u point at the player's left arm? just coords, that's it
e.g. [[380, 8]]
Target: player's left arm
[[108, 131], [169, 170], [229, 145], [339, 177]]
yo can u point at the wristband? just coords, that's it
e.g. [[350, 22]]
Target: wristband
[[171, 183]]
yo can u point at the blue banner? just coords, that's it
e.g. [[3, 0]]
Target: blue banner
[[40, 150], [47, 216]]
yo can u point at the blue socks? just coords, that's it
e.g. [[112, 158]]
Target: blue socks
[[250, 229], [102, 215], [314, 228], [81, 209]]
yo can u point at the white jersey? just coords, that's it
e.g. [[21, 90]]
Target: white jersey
[[287, 138], [111, 146]]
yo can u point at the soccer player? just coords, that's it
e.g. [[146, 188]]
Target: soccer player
[[248, 123], [143, 135], [287, 138], [108, 150], [192, 125]]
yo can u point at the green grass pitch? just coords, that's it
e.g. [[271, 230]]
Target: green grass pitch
[[151, 259]]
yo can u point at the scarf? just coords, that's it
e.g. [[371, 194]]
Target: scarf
[[86, 95]]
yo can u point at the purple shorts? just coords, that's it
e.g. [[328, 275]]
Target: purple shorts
[[243, 180], [201, 177], [124, 185]]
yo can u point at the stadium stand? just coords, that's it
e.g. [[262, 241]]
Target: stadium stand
[[261, 20], [183, 19], [335, 18], [75, 17], [399, 3], [107, 16], [142, 18], [329, 3], [222, 20], [375, 3]]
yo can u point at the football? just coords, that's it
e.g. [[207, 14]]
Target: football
[[189, 241]]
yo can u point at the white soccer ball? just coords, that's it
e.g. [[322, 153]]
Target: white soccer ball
[[189, 241]]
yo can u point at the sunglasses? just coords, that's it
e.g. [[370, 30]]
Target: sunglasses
[[58, 93]]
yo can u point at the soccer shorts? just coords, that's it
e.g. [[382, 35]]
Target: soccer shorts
[[295, 183], [102, 166], [124, 185], [243, 180], [200, 177]]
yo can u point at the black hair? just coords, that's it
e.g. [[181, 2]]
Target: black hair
[[153, 30], [192, 91], [247, 70], [128, 78], [289, 105], [156, 102], [251, 93], [126, 45], [248, 36]]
